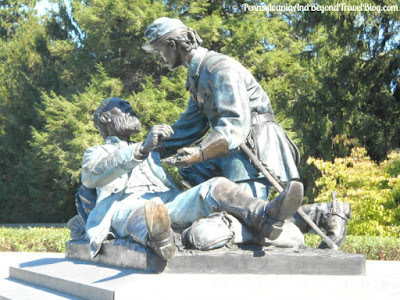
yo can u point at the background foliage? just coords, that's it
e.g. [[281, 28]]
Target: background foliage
[[373, 190], [333, 80], [38, 239], [373, 247]]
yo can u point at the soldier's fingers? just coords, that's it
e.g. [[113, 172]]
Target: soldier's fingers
[[166, 129], [169, 129], [164, 133]]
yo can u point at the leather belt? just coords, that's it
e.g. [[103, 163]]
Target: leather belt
[[262, 118]]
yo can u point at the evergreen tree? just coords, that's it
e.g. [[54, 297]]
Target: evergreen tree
[[11, 13], [333, 80], [351, 96], [58, 148], [31, 62], [113, 35]]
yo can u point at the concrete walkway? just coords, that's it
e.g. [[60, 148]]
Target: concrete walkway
[[12, 289], [382, 281]]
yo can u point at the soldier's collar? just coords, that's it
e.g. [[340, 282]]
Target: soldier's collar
[[194, 66], [116, 141]]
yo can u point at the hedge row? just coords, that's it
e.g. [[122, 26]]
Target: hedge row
[[374, 247], [33, 239], [53, 240]]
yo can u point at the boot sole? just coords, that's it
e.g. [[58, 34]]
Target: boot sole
[[292, 200], [157, 218], [159, 228]]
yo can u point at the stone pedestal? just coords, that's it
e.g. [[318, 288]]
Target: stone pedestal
[[246, 260], [126, 274]]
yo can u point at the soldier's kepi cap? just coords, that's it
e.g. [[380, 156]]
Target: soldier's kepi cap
[[161, 29]]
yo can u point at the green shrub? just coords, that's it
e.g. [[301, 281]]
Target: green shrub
[[373, 247], [36, 239], [372, 189]]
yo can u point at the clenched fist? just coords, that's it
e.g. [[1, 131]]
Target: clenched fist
[[157, 134]]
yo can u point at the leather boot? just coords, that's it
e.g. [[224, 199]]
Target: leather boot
[[158, 223], [281, 208], [265, 218], [334, 223]]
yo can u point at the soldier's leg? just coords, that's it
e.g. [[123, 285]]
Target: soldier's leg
[[258, 188], [220, 194], [192, 204], [207, 170], [265, 218], [146, 222]]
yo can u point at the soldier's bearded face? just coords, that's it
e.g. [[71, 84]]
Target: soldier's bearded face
[[124, 119], [127, 125]]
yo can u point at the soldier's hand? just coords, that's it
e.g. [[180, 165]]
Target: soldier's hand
[[185, 157], [157, 134]]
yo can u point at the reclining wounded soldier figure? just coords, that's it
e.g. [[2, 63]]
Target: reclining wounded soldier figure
[[136, 198]]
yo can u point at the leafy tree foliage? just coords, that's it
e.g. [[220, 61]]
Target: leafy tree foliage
[[333, 80], [26, 69], [11, 12], [374, 196], [33, 61], [351, 97], [58, 148], [113, 35]]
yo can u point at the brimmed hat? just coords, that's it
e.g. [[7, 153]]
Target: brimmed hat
[[159, 28]]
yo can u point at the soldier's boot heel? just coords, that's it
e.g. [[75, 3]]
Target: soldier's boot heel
[[279, 209], [158, 223]]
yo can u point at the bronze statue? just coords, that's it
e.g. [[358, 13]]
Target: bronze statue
[[226, 100], [135, 197], [125, 191]]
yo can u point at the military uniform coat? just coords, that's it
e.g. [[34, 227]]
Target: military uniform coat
[[225, 97]]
